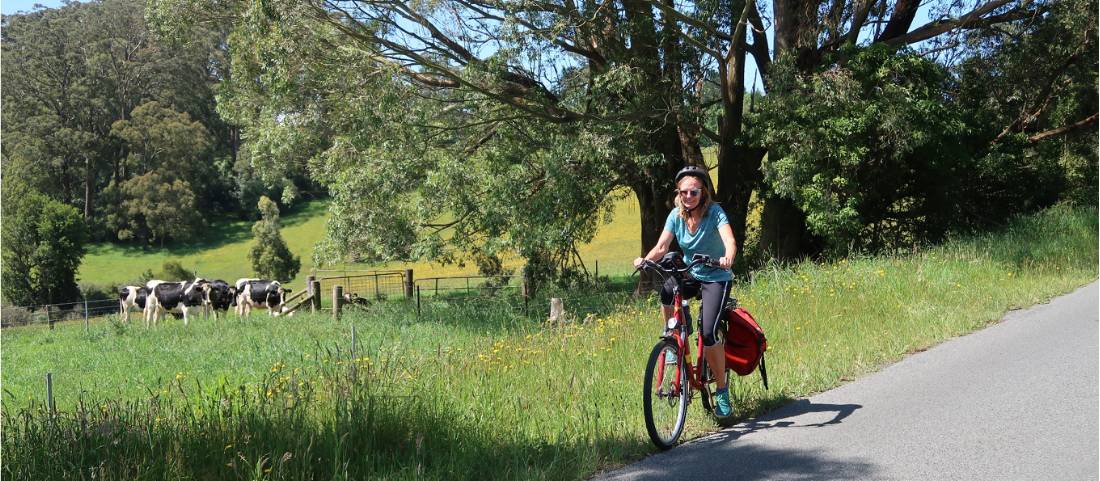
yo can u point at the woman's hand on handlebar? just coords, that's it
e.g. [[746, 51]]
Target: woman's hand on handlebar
[[725, 262], [639, 262]]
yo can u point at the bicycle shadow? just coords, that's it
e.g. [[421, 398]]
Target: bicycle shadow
[[801, 407], [718, 457]]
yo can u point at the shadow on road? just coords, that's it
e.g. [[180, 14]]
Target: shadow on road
[[715, 459], [775, 419], [721, 457]]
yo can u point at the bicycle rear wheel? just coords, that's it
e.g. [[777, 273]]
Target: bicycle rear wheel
[[665, 395]]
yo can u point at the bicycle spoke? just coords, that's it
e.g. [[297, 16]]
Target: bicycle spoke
[[665, 395]]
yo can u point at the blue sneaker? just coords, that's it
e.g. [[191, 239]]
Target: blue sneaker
[[722, 408]]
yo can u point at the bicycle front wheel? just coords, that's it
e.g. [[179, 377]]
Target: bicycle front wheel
[[665, 395]]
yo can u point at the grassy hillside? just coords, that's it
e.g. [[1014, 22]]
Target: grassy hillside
[[222, 251], [481, 391]]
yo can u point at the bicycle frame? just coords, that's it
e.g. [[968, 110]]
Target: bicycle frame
[[696, 375]]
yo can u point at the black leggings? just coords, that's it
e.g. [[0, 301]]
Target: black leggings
[[714, 294]]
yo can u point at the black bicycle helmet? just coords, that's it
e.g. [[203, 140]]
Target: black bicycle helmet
[[697, 172]]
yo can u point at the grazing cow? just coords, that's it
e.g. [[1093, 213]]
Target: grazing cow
[[261, 293], [130, 296], [168, 296], [220, 296]]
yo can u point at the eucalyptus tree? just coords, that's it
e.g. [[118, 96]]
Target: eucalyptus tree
[[646, 83], [70, 73]]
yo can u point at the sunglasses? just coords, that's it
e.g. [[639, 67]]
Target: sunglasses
[[690, 192]]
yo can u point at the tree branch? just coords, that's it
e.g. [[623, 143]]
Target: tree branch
[[1064, 129], [858, 19], [759, 46], [971, 20], [672, 12]]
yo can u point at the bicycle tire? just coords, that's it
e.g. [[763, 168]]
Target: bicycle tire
[[706, 395], [664, 425]]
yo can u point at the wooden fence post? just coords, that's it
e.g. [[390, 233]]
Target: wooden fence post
[[49, 392], [315, 296], [557, 309], [49, 320], [418, 303], [525, 287], [337, 300], [408, 283]]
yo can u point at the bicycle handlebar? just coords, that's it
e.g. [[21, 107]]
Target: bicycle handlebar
[[696, 260]]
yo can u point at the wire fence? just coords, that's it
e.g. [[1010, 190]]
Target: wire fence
[[427, 297], [11, 316]]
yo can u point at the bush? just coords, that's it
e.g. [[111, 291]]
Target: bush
[[270, 256], [15, 316], [95, 292], [174, 271], [43, 243]]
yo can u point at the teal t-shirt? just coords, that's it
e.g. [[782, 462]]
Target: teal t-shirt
[[706, 240]]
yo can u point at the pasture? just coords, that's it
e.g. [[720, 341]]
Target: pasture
[[222, 252], [473, 391]]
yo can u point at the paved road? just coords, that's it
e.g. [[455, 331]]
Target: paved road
[[1016, 401]]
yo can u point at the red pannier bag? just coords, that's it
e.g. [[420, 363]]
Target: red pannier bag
[[745, 344]]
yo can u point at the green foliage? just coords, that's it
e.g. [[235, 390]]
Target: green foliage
[[97, 292], [1015, 84], [155, 208], [163, 140], [411, 179], [161, 204], [43, 244], [71, 73], [269, 255], [866, 147], [174, 271]]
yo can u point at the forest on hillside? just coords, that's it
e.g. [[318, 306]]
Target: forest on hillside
[[480, 129]]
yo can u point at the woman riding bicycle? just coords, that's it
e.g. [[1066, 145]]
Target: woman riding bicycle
[[700, 227]]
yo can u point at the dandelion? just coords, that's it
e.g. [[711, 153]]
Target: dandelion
[[179, 375]]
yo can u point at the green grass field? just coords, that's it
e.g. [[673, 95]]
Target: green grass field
[[482, 391], [222, 251]]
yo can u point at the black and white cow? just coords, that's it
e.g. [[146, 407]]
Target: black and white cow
[[260, 293], [220, 296], [168, 296], [130, 296]]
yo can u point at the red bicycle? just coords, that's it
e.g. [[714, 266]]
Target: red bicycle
[[671, 379]]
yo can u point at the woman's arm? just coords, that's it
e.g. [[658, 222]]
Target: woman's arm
[[658, 250], [730, 243]]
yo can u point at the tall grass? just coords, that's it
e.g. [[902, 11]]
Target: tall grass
[[473, 392]]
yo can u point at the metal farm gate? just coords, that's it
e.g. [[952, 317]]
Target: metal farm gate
[[370, 285]]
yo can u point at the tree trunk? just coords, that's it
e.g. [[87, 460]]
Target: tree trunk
[[89, 181], [783, 230], [653, 208], [739, 175]]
